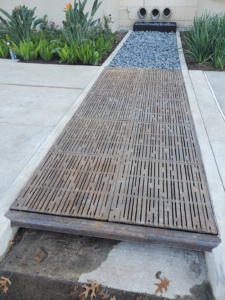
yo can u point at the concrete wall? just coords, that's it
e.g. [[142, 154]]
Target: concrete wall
[[216, 6], [183, 10], [54, 8]]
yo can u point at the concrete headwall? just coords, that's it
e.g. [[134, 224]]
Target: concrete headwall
[[182, 10]]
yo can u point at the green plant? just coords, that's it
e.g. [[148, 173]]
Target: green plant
[[20, 25], [27, 50], [205, 39], [45, 49], [68, 54], [78, 27], [4, 50], [88, 53], [218, 56]]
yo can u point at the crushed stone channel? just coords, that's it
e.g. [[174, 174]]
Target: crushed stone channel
[[152, 49]]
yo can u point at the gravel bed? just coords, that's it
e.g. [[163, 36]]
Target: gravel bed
[[152, 49]]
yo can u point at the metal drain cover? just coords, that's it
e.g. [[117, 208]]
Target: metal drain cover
[[128, 155]]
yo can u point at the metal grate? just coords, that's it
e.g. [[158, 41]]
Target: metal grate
[[129, 154], [71, 185], [170, 195], [93, 137]]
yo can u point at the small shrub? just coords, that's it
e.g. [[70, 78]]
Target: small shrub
[[27, 50], [68, 54], [4, 50], [88, 53], [45, 49]]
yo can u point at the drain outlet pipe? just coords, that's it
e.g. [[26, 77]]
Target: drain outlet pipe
[[155, 14], [142, 13], [166, 13]]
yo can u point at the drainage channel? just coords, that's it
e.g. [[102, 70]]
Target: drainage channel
[[127, 166]]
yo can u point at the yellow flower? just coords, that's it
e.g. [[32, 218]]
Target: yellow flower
[[68, 6]]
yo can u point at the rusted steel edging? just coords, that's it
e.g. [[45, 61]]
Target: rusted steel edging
[[116, 231]]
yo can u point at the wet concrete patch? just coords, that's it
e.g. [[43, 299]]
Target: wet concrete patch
[[56, 255], [200, 292]]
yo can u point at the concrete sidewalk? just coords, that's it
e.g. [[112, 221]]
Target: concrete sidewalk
[[34, 99]]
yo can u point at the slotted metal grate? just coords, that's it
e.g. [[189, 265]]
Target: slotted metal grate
[[71, 185], [129, 155]]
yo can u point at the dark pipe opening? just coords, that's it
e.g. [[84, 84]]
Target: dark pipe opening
[[155, 12], [166, 12], [142, 13]]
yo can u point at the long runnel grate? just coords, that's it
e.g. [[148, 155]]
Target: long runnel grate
[[129, 154]]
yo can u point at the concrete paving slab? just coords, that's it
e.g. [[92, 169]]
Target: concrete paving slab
[[17, 145], [195, 83], [217, 81], [48, 75], [208, 107], [34, 105], [21, 139]]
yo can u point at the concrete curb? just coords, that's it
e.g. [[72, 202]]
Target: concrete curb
[[6, 232], [215, 261], [181, 53]]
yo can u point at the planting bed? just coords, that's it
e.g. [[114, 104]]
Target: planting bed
[[120, 36], [153, 49], [207, 66]]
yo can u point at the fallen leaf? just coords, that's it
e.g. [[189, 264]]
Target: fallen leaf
[[104, 295], [74, 290], [4, 282], [93, 289], [113, 298], [39, 256], [11, 242], [157, 275], [164, 283], [63, 246]]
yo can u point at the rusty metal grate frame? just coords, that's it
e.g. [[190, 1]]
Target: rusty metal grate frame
[[171, 97]]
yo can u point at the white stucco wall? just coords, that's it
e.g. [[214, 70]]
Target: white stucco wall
[[54, 8], [183, 10], [216, 6]]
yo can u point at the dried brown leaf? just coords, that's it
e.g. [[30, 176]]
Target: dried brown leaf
[[11, 242], [163, 285], [93, 289], [39, 256], [4, 282], [104, 295], [113, 298]]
